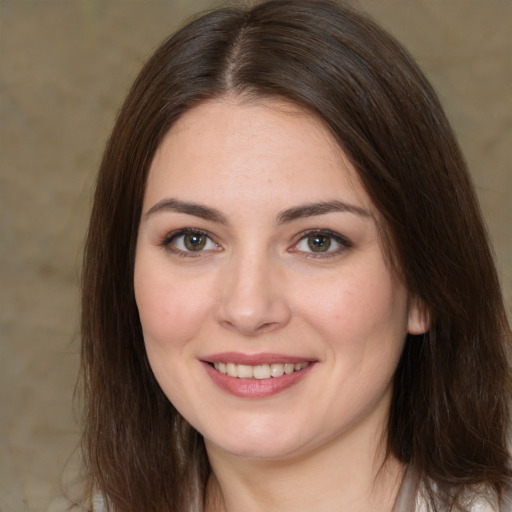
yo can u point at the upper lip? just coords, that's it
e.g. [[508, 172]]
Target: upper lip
[[254, 359]]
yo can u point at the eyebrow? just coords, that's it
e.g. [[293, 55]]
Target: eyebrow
[[288, 215], [197, 210], [310, 210]]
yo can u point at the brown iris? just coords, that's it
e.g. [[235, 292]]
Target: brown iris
[[194, 241], [319, 243]]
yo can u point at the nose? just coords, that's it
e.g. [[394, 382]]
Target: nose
[[252, 299]]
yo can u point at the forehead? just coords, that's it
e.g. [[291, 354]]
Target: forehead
[[252, 150]]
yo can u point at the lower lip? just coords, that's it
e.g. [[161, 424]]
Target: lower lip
[[255, 388]]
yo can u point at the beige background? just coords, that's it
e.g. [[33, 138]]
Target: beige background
[[64, 68]]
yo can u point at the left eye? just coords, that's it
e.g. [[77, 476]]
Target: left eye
[[193, 241], [321, 243]]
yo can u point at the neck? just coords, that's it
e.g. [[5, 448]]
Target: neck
[[338, 476]]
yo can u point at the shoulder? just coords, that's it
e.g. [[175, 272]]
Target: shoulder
[[479, 500], [413, 496], [98, 503], [506, 501]]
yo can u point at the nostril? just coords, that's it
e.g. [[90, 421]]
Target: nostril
[[251, 329], [250, 305]]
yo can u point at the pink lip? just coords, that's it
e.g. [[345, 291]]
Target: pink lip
[[254, 388]]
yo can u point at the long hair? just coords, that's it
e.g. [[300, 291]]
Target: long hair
[[449, 413]]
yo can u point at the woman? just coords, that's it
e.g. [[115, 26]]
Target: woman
[[289, 301]]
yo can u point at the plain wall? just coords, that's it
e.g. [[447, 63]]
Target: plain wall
[[64, 69]]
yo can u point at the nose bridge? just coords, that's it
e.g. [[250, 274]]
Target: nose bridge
[[252, 300]]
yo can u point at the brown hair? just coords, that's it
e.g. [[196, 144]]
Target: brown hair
[[449, 413]]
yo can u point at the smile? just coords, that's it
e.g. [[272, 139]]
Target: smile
[[260, 371], [258, 375]]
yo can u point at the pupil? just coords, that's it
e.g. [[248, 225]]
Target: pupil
[[319, 243], [195, 242]]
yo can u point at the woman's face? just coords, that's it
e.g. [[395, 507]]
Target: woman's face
[[270, 318]]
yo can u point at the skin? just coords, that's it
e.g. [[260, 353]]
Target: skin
[[257, 286]]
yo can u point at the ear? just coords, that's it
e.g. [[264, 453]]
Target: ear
[[419, 316]]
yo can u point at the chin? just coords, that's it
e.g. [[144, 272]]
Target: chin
[[260, 445]]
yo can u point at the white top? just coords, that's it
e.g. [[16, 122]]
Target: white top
[[411, 498]]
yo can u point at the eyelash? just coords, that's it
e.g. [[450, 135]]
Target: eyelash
[[344, 243]]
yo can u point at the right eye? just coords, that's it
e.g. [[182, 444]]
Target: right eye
[[190, 241]]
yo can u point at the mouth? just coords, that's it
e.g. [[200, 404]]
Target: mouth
[[260, 371], [256, 376]]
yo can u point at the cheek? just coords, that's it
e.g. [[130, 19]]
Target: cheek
[[363, 310], [170, 308]]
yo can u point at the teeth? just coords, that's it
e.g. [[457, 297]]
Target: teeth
[[261, 371], [276, 370], [244, 371], [232, 370], [289, 368]]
